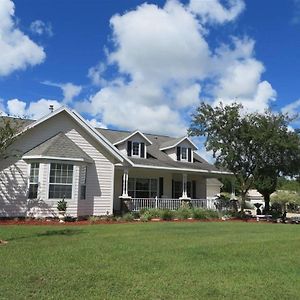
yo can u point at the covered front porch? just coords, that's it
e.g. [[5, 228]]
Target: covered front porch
[[164, 189]]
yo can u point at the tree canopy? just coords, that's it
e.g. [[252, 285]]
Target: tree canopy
[[255, 147]]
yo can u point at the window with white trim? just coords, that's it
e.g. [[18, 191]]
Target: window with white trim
[[143, 187], [60, 181], [183, 153], [135, 149], [33, 180]]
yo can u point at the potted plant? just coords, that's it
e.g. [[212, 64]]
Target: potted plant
[[61, 207]]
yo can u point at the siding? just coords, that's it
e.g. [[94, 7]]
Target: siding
[[14, 173]]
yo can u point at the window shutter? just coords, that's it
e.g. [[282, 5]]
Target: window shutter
[[142, 150], [161, 187], [129, 146], [173, 192], [178, 153], [189, 154], [194, 196]]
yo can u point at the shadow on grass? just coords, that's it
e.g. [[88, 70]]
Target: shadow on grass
[[58, 232]]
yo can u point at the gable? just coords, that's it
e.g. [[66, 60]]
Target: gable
[[64, 119]]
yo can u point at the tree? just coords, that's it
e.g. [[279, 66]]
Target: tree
[[250, 145], [279, 154], [9, 127]]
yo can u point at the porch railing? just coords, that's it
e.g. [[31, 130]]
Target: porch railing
[[172, 204]]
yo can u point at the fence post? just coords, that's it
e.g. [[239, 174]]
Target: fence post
[[156, 200]]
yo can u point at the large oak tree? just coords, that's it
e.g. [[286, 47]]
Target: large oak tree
[[255, 147]]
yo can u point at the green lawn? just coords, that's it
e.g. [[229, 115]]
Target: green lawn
[[151, 261]]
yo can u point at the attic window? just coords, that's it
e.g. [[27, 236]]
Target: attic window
[[136, 149], [184, 154]]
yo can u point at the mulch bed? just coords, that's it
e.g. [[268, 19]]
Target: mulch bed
[[54, 222]]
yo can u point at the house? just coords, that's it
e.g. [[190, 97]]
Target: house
[[96, 170], [253, 196]]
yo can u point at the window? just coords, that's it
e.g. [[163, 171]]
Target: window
[[61, 179], [33, 180], [83, 183], [177, 189], [184, 153], [135, 149], [142, 187]]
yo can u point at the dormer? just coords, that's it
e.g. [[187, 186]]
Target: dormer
[[134, 145], [181, 149]]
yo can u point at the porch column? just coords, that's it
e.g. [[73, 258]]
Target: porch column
[[126, 201], [184, 186], [125, 184]]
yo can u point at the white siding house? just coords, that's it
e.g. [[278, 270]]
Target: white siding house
[[62, 156]]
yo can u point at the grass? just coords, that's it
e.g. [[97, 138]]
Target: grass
[[151, 261]]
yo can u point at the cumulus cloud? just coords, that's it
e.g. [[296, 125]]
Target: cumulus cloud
[[292, 108], [40, 28], [96, 74], [166, 66], [213, 11], [17, 50], [33, 110], [69, 90]]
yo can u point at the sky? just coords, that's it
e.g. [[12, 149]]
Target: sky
[[132, 64]]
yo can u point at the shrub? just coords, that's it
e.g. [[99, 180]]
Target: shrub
[[128, 217], [212, 214], [94, 219], [166, 214], [154, 213], [62, 205], [183, 213], [136, 214], [199, 214], [146, 216]]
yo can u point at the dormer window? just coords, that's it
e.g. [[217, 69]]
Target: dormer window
[[136, 149], [184, 154]]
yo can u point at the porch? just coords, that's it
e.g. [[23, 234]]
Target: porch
[[162, 189]]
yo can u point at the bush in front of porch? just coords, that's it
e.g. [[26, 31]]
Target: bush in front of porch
[[180, 214]]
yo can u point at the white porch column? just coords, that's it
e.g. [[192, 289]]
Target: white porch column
[[125, 184], [184, 186]]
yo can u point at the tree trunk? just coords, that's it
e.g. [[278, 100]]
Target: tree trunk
[[243, 202], [267, 202]]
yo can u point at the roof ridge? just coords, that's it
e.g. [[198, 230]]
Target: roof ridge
[[128, 131]]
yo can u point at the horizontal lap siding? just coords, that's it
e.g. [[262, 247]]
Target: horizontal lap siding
[[13, 189], [13, 185], [99, 178]]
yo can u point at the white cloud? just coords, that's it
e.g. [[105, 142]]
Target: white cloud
[[159, 44], [292, 108], [17, 50], [16, 107], [96, 124], [39, 27], [70, 90], [33, 110], [96, 74], [213, 11], [166, 65], [189, 96]]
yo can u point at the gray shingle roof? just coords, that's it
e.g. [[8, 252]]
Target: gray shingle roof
[[59, 146], [157, 157]]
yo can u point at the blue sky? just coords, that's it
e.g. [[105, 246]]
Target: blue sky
[[127, 64]]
